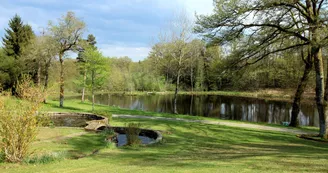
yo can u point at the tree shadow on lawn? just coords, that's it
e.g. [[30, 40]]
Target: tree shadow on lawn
[[66, 108], [85, 145]]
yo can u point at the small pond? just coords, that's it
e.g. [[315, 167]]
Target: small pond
[[80, 120]]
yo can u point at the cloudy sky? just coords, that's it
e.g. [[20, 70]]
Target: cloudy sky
[[121, 27]]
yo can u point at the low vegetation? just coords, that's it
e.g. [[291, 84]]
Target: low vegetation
[[132, 134]]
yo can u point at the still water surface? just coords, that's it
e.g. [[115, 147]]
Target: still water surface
[[222, 107]]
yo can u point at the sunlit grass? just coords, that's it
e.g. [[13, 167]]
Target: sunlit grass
[[187, 147]]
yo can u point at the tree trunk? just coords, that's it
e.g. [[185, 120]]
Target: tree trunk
[[61, 95], [191, 80], [175, 110], [83, 89], [320, 89], [39, 74], [191, 104], [299, 92], [325, 136], [46, 80], [167, 80], [92, 89]]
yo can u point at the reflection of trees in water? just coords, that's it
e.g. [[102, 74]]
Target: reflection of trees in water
[[234, 108]]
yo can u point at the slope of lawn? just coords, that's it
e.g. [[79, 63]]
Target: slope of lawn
[[186, 147]]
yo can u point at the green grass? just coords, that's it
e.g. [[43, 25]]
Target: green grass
[[186, 147]]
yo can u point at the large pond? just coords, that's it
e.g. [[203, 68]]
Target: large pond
[[223, 107]]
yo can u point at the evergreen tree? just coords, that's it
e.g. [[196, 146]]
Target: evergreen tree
[[17, 37]]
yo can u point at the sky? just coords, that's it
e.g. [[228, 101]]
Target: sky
[[121, 27]]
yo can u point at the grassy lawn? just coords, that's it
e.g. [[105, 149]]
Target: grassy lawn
[[186, 147]]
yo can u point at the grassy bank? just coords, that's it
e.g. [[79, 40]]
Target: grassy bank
[[187, 147]]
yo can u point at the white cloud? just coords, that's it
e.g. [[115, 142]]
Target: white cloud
[[199, 6], [136, 53]]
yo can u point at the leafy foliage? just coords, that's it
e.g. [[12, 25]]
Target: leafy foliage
[[19, 123], [132, 134]]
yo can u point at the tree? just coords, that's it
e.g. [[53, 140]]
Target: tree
[[259, 24], [174, 44], [67, 34], [196, 51], [17, 37], [90, 42], [97, 68]]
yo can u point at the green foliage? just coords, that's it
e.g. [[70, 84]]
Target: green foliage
[[19, 123], [97, 69], [67, 32], [120, 77], [132, 134], [15, 43], [17, 37]]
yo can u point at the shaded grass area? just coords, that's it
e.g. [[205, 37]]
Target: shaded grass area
[[77, 106], [186, 147]]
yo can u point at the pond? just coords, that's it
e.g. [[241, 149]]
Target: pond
[[222, 107], [146, 136]]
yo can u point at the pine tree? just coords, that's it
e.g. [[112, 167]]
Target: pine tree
[[17, 37]]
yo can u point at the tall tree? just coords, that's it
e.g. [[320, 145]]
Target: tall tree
[[90, 43], [272, 22], [174, 44], [17, 37], [97, 67], [67, 34]]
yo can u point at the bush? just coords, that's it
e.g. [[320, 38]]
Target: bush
[[132, 134], [19, 122]]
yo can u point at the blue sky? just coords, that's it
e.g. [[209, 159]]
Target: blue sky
[[121, 27]]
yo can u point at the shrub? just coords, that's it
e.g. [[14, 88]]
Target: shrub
[[19, 122], [132, 134]]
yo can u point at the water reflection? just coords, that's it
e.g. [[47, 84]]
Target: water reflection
[[223, 107]]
